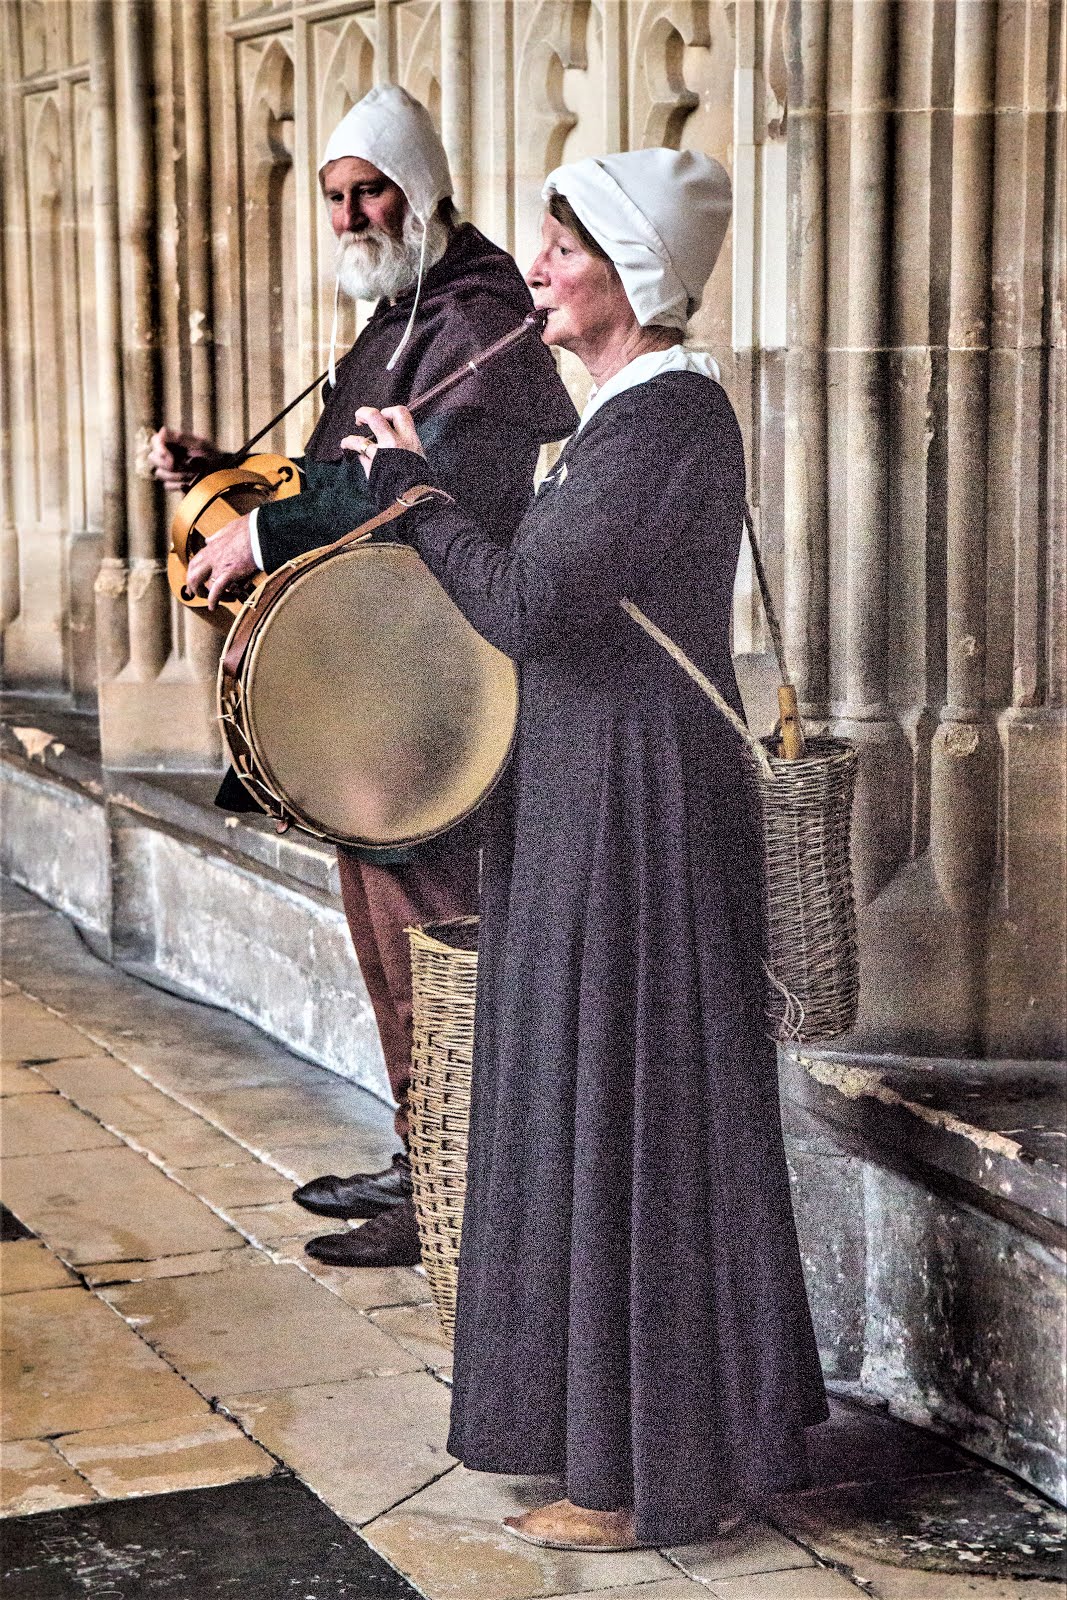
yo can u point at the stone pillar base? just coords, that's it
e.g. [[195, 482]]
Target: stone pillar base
[[162, 726]]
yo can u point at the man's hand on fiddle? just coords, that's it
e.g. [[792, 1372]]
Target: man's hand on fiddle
[[178, 459], [393, 429], [226, 559]]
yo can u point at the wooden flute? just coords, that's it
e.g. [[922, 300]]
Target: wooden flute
[[534, 323]]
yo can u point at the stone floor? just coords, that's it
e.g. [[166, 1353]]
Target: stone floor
[[193, 1408]]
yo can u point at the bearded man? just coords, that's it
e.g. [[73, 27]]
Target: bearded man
[[444, 293]]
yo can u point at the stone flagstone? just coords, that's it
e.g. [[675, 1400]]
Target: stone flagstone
[[370, 1288], [247, 1183], [101, 1273], [812, 1583], [756, 1548], [16, 1079], [241, 1331], [418, 1329], [670, 1589], [41, 1125], [449, 1541], [362, 1446], [112, 1092], [30, 1032], [166, 1454], [27, 1264], [109, 1205], [33, 1477], [69, 1364], [189, 1141]]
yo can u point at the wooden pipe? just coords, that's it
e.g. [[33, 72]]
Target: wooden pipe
[[792, 743]]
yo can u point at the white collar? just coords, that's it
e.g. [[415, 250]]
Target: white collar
[[675, 359]]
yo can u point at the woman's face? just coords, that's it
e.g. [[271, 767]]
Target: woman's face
[[583, 293]]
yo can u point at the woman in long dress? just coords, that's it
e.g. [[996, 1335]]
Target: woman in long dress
[[632, 1314]]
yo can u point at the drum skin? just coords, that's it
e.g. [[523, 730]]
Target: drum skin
[[368, 704]]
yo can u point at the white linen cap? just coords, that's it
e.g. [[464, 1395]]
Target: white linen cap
[[660, 215], [396, 134]]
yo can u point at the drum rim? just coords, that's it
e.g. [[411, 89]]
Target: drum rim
[[299, 818]]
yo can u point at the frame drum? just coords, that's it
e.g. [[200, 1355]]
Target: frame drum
[[366, 709]]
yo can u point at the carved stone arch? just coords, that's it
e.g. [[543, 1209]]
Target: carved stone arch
[[662, 101], [49, 296], [348, 75], [270, 106], [269, 254], [45, 152], [554, 42], [34, 19], [420, 71]]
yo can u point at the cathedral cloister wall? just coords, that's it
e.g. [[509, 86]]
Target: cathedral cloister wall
[[888, 315]]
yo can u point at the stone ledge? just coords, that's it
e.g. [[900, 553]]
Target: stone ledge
[[41, 736], [929, 1197], [994, 1132], [163, 884]]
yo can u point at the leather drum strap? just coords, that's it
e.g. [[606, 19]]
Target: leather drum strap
[[265, 596]]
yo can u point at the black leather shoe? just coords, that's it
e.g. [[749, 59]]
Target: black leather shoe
[[390, 1239], [364, 1194]]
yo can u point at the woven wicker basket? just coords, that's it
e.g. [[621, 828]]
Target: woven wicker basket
[[811, 913], [444, 966]]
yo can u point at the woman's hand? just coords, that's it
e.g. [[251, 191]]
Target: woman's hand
[[393, 429]]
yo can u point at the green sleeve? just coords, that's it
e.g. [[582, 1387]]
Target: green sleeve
[[332, 502]]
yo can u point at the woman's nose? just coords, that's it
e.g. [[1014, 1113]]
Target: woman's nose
[[537, 278]]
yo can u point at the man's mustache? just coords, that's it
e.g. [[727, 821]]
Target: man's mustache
[[368, 237]]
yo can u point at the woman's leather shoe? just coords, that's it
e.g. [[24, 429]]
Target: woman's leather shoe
[[564, 1526], [364, 1194], [388, 1240]]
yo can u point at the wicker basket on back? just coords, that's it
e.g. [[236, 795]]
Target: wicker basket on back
[[811, 913]]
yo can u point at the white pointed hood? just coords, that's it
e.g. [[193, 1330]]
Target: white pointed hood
[[395, 134], [660, 215]]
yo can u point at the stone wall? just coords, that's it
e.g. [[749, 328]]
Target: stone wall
[[888, 314]]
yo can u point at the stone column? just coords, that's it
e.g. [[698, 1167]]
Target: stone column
[[1025, 968], [202, 642], [882, 816], [9, 538], [964, 752], [112, 622], [18, 437], [149, 597], [456, 95], [199, 191], [158, 711], [805, 486]]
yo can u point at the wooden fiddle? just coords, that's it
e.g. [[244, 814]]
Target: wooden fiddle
[[209, 505]]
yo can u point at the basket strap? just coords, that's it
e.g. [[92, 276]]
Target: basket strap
[[767, 598], [675, 651]]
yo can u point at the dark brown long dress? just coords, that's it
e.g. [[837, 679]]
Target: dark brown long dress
[[632, 1312]]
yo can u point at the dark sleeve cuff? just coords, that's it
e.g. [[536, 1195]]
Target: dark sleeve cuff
[[394, 472]]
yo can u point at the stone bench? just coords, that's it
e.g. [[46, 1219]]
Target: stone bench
[[930, 1199]]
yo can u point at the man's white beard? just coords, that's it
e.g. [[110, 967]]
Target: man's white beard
[[372, 265]]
